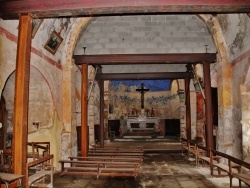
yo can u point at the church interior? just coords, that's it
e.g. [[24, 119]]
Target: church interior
[[84, 74]]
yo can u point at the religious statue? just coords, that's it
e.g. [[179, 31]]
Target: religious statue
[[142, 90], [153, 112], [142, 115], [123, 125]]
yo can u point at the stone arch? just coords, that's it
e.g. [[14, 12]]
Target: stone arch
[[81, 23], [227, 141], [69, 118]]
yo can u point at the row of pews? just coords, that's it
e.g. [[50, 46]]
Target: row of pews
[[39, 165], [107, 161], [225, 164]]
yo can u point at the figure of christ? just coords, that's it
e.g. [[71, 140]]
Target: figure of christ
[[142, 90]]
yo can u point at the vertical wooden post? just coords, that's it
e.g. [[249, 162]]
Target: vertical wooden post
[[101, 84], [84, 111], [208, 106], [188, 113], [199, 115], [21, 103]]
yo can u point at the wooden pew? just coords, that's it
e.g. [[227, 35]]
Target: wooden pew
[[37, 150], [42, 172], [10, 180], [115, 154], [234, 168], [228, 168], [132, 150], [129, 147], [203, 156], [188, 146], [110, 159], [99, 168], [6, 161]]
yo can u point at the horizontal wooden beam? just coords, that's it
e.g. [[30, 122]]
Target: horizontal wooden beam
[[144, 59], [67, 8], [145, 76]]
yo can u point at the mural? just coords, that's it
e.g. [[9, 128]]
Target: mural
[[159, 101], [131, 85]]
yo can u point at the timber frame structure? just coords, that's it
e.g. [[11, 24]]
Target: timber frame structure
[[26, 10]]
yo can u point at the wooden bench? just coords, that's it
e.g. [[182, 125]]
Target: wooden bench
[[10, 179], [186, 145], [38, 149], [99, 168], [43, 172], [114, 159], [6, 161], [115, 154], [228, 168], [242, 172], [112, 150], [203, 156]]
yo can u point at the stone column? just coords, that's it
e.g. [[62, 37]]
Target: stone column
[[225, 134], [68, 134]]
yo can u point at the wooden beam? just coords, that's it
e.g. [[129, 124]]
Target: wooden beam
[[188, 108], [101, 85], [21, 102], [208, 107], [68, 8], [84, 111], [145, 59], [145, 76]]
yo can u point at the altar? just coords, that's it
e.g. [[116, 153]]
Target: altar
[[142, 124]]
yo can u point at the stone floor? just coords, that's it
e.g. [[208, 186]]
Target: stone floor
[[169, 169]]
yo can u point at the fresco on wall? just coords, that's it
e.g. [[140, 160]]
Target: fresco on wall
[[131, 85], [159, 101]]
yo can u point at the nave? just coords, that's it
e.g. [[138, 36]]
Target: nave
[[165, 167]]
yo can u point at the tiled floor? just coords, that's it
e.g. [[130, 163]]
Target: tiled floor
[[159, 170]]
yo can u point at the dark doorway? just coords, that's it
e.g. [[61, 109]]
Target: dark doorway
[[3, 124], [215, 112], [172, 127]]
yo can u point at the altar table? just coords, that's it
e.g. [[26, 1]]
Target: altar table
[[142, 123]]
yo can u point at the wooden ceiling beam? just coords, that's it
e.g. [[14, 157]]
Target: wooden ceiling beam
[[113, 59], [68, 8], [145, 76]]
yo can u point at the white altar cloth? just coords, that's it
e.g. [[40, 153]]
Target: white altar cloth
[[142, 123]]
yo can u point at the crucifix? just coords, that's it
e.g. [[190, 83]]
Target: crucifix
[[142, 90]]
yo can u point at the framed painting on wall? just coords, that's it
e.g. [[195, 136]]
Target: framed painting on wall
[[53, 42], [35, 25]]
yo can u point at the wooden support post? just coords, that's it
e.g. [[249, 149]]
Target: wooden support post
[[21, 103], [188, 113], [208, 106], [84, 111], [101, 84]]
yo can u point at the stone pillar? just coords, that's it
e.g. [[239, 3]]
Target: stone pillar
[[68, 134], [225, 134]]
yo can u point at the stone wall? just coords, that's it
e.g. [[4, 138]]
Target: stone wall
[[236, 29]]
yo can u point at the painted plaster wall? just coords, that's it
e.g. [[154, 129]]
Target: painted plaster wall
[[128, 104], [236, 29], [45, 82], [146, 34]]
